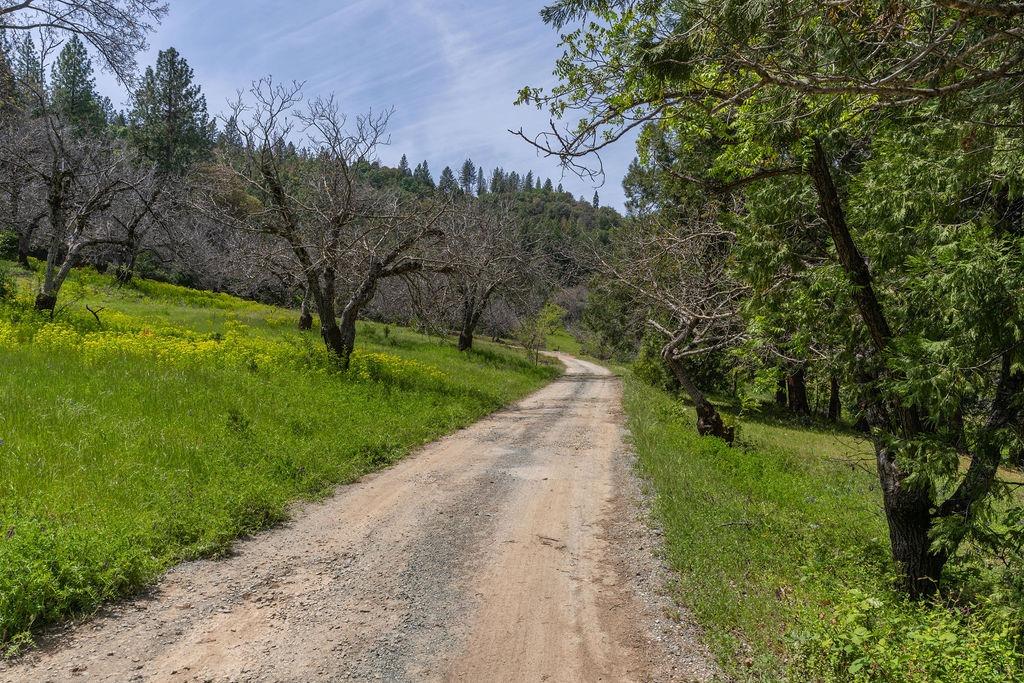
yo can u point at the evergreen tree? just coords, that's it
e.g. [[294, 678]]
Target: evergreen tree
[[481, 182], [560, 188], [537, 185], [168, 122], [528, 181], [448, 184], [423, 176], [498, 181], [548, 187], [597, 200], [29, 75], [514, 184], [8, 86], [74, 88], [231, 137], [467, 177], [403, 166]]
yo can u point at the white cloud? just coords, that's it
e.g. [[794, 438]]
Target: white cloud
[[451, 69]]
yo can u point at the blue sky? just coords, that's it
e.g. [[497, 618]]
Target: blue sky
[[450, 68]]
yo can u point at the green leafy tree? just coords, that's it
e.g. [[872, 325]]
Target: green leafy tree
[[874, 180], [422, 175]]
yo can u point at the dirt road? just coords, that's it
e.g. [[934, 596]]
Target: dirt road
[[512, 551]]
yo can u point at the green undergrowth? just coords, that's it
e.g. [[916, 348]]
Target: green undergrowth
[[181, 420], [782, 556]]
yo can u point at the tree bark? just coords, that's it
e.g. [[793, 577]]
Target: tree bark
[[796, 385], [470, 318], [835, 406], [709, 420], [305, 313], [909, 516], [781, 395], [908, 510], [24, 247], [835, 400], [465, 339]]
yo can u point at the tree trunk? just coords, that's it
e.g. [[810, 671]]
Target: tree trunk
[[465, 339], [469, 320], [908, 510], [305, 313], [347, 337], [24, 245], [796, 385], [909, 516], [709, 421], [835, 406], [781, 396], [347, 321], [46, 301]]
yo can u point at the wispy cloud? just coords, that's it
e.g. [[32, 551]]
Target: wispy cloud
[[451, 69]]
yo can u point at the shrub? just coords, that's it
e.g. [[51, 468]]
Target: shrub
[[8, 287], [871, 638], [8, 245]]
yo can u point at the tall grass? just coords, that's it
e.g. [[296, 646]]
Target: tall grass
[[184, 419], [782, 555]]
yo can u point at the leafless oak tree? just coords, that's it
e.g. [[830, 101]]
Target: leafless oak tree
[[486, 256], [309, 207], [116, 29], [74, 182], [677, 275]]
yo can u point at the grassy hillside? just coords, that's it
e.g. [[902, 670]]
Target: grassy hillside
[[180, 419], [779, 544]]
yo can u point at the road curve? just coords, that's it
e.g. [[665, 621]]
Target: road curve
[[495, 554]]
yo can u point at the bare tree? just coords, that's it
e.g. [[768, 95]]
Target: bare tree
[[77, 179], [117, 29], [486, 256], [676, 272], [340, 234]]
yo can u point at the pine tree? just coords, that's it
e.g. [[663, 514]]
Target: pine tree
[[448, 184], [29, 75], [528, 181], [423, 176], [481, 182], [514, 183], [537, 186], [498, 181], [560, 188], [168, 122], [548, 187], [467, 176], [231, 137], [8, 86], [597, 200], [403, 166], [74, 88]]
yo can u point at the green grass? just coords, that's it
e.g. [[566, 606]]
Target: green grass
[[564, 341], [781, 550], [119, 462]]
